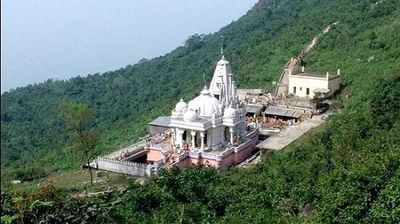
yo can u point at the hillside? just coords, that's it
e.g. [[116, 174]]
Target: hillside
[[347, 171], [124, 101]]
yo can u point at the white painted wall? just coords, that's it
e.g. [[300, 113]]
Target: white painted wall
[[125, 167], [303, 82]]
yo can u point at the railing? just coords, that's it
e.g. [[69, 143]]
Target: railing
[[157, 147], [244, 145], [126, 167], [209, 155]]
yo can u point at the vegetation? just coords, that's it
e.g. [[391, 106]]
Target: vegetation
[[77, 116], [347, 171]]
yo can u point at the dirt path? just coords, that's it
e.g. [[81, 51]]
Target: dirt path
[[294, 63]]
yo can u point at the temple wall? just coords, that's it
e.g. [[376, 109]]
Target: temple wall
[[228, 160], [334, 85], [243, 154], [155, 130], [206, 162], [301, 82]]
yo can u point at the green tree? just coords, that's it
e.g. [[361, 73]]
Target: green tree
[[77, 117]]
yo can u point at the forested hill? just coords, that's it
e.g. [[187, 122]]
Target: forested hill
[[346, 171], [364, 44]]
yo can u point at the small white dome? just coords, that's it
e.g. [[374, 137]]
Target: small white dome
[[205, 104], [181, 106], [190, 115], [230, 113]]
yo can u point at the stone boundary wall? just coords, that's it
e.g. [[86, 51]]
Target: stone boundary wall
[[125, 167]]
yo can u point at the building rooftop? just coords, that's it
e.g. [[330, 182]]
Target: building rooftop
[[163, 121], [254, 109], [284, 112], [250, 91], [316, 75]]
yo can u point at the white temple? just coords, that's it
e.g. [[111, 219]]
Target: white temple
[[209, 129]]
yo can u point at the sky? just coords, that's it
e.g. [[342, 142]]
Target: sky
[[59, 39]]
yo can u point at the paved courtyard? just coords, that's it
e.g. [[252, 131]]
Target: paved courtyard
[[278, 141]]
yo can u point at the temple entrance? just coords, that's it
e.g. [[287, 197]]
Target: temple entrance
[[227, 134], [205, 139], [184, 136], [140, 159]]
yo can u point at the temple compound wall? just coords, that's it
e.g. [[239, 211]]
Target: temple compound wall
[[125, 167]]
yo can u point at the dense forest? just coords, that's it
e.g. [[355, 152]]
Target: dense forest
[[346, 171]]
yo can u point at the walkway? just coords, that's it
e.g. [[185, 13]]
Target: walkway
[[280, 140], [137, 147]]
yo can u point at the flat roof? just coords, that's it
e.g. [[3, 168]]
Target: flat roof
[[251, 91], [284, 112], [201, 120], [316, 75], [319, 75], [161, 121], [253, 108]]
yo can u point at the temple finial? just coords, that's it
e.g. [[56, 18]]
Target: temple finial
[[222, 52]]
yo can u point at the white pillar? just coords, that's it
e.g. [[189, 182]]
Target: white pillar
[[231, 132], [179, 137], [172, 136], [202, 135], [193, 134], [210, 138]]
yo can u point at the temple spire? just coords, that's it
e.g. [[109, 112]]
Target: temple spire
[[222, 52]]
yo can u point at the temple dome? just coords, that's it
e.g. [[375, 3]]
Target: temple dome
[[190, 115], [205, 104], [230, 112], [181, 106]]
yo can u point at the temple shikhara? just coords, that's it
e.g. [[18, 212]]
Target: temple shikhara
[[209, 129]]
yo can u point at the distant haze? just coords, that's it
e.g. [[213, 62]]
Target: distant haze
[[60, 39]]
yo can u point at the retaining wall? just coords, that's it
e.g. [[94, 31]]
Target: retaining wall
[[118, 166]]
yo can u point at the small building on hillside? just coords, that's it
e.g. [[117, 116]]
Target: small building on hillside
[[306, 84]]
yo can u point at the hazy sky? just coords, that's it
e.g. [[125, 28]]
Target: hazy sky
[[64, 38]]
